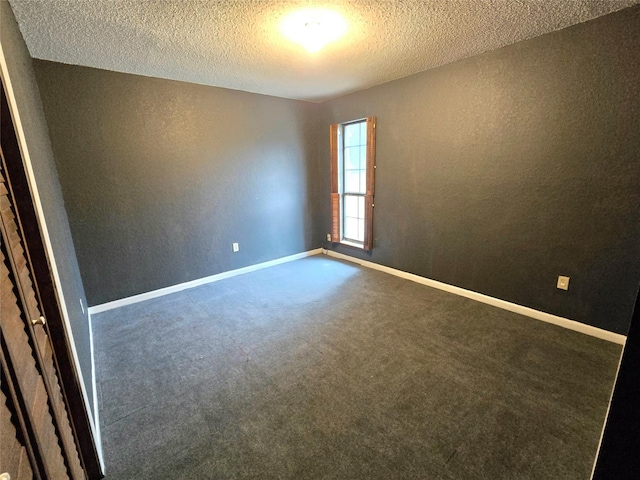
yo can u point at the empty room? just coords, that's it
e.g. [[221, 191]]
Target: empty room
[[320, 240]]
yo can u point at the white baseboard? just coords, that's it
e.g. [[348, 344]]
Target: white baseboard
[[496, 302], [196, 283]]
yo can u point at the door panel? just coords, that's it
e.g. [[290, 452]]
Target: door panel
[[36, 294], [13, 454], [29, 385], [29, 350]]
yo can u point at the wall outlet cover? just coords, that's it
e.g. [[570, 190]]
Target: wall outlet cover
[[235, 247], [328, 237], [563, 283]]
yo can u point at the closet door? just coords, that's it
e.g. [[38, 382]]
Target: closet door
[[16, 454], [14, 458], [35, 404]]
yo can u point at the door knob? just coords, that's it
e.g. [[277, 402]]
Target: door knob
[[36, 321]]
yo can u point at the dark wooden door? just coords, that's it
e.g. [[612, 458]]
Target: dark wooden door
[[33, 294], [14, 458], [35, 403]]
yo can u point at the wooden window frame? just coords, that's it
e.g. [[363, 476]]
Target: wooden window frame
[[336, 146]]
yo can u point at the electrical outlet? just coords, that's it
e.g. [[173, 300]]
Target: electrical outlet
[[328, 237], [563, 283], [235, 247]]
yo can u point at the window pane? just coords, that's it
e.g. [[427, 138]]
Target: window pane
[[353, 187], [363, 157], [361, 230], [352, 158], [351, 206], [352, 134], [360, 207], [352, 181], [351, 228]]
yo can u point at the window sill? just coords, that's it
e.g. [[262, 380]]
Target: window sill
[[352, 244]]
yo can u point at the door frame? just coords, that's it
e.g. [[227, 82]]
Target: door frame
[[43, 278], [618, 451]]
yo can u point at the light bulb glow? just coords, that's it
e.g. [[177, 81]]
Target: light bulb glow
[[313, 28]]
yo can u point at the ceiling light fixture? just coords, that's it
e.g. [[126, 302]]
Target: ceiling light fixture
[[313, 28]]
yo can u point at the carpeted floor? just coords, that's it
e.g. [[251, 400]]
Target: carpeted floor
[[320, 369]]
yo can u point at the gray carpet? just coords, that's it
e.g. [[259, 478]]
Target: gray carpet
[[320, 369]]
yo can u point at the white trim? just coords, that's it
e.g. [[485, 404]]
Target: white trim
[[37, 204], [349, 243], [94, 389], [496, 302], [196, 283]]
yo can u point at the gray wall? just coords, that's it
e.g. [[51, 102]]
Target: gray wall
[[160, 177], [27, 97], [502, 171]]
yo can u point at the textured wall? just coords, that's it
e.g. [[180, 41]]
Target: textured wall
[[500, 172], [160, 177], [27, 97]]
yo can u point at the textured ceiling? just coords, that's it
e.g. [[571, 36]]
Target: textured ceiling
[[238, 44]]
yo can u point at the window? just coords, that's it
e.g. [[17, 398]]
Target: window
[[352, 147]]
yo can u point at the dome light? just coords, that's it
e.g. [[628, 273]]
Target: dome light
[[313, 28]]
